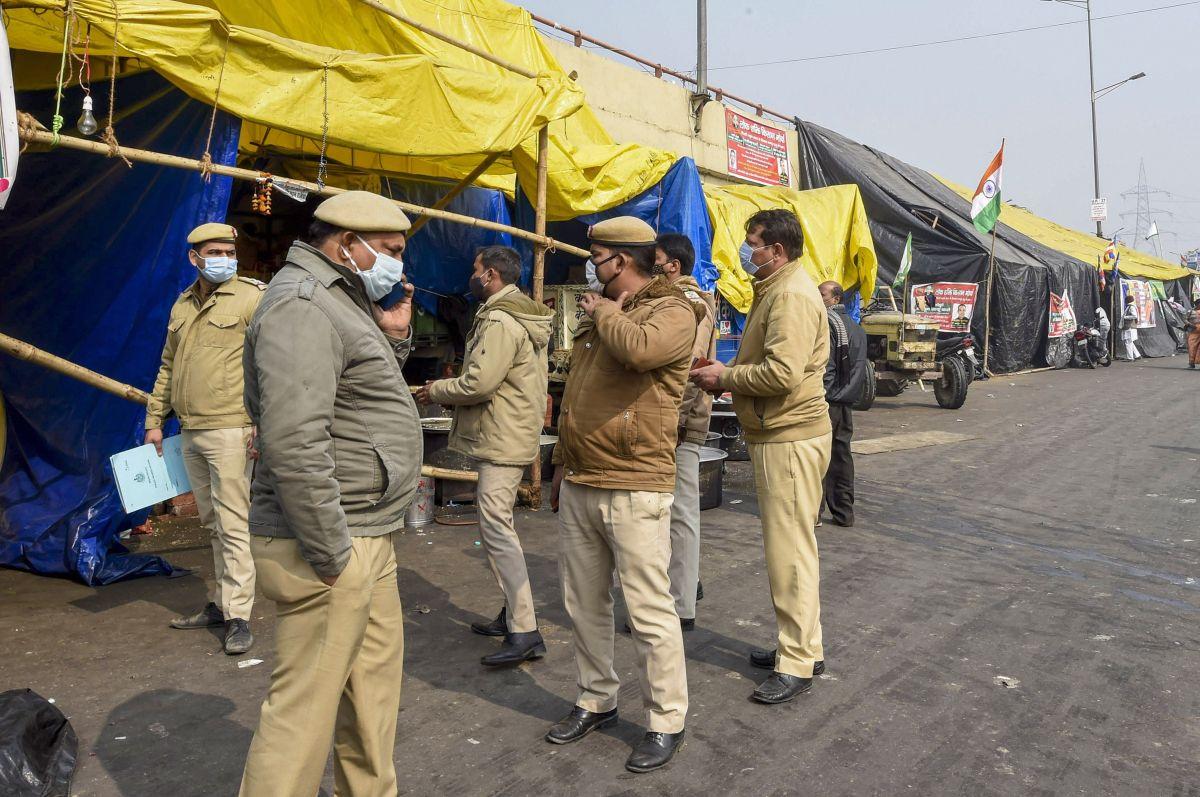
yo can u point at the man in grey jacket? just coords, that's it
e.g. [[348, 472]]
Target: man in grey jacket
[[340, 446]]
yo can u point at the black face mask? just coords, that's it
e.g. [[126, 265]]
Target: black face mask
[[475, 284]]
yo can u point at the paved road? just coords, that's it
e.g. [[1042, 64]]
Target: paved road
[[1056, 550]]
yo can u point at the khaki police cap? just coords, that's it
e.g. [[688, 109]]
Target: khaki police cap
[[212, 231], [362, 211], [622, 231]]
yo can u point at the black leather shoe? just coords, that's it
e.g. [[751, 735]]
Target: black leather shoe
[[517, 648], [497, 627], [699, 590], [578, 724], [238, 638], [654, 751], [780, 688], [207, 617], [766, 660]]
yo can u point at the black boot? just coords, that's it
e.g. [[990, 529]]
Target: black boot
[[517, 648], [207, 617], [578, 724], [654, 751], [766, 660], [238, 638], [781, 687], [497, 627]]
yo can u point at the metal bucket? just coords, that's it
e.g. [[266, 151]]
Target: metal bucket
[[420, 511], [712, 471]]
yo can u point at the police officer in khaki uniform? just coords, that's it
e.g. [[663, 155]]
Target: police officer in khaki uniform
[[613, 483], [200, 381], [499, 406], [340, 448]]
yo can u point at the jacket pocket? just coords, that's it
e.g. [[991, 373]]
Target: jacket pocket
[[628, 433], [221, 330]]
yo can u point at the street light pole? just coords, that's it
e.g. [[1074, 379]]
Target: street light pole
[[1092, 95]]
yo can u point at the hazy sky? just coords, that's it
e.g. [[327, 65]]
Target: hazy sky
[[944, 108]]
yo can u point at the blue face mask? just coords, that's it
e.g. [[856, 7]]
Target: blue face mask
[[746, 252], [219, 269], [383, 275], [593, 280]]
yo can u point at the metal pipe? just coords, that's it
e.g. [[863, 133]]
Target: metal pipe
[[701, 46], [1095, 144], [721, 94]]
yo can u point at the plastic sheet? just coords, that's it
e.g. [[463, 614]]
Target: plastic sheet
[[95, 257], [38, 746]]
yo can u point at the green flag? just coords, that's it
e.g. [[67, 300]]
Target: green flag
[[905, 265]]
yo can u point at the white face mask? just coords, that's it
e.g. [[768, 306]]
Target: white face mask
[[382, 276], [593, 281], [219, 269]]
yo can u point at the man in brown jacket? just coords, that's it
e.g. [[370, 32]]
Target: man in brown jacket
[[615, 470], [675, 257], [778, 390], [499, 402]]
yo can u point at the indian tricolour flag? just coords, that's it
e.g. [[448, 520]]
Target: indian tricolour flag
[[985, 207]]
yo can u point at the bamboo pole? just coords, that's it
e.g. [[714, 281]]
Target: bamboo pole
[[30, 353], [461, 186], [437, 34], [987, 311], [539, 276], [175, 161]]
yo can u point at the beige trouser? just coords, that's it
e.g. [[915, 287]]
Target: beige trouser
[[339, 657], [495, 496], [631, 530], [685, 530], [788, 478], [219, 470]]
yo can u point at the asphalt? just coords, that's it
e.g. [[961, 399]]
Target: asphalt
[[1015, 613]]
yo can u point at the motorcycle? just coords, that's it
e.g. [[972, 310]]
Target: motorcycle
[[1089, 348], [963, 347]]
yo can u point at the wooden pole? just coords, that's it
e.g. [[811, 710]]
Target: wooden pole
[[987, 310], [437, 34], [462, 185], [30, 353], [175, 161], [539, 276]]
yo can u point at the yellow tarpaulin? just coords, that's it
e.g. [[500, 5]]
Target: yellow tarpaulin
[[837, 241], [1078, 244], [400, 101]]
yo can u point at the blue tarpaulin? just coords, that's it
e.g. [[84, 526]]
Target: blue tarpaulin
[[94, 255]]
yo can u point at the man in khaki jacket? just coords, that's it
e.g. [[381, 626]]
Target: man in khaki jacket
[[778, 390], [675, 257], [499, 401], [615, 470], [200, 381], [340, 445]]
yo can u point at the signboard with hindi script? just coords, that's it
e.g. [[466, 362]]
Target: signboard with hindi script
[[756, 151]]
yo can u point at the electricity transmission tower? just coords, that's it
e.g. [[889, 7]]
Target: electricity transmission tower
[[1147, 217]]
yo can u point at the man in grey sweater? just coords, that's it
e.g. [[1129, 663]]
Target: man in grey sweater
[[340, 445]]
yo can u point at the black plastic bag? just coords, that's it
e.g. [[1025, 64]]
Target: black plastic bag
[[38, 746]]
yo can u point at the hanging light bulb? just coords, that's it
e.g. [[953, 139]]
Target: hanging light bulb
[[87, 122]]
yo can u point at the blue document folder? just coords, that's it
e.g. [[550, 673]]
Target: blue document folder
[[145, 479]]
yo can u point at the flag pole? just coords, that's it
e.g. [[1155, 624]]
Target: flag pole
[[987, 312]]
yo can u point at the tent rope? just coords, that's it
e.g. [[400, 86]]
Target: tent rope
[[56, 124], [322, 163], [110, 136], [27, 125], [206, 161]]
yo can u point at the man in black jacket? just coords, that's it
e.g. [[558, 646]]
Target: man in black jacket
[[845, 377]]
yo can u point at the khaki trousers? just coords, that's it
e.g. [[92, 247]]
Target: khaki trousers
[[495, 497], [339, 657], [685, 530], [601, 529], [219, 470], [788, 479]]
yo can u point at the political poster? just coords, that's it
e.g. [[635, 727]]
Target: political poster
[[757, 152], [948, 304], [10, 145], [1062, 316], [1143, 301]]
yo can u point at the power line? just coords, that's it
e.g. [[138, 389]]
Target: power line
[[956, 39]]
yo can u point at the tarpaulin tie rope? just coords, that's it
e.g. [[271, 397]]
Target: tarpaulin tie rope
[[322, 162], [27, 125], [110, 136], [56, 124], [206, 161]]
